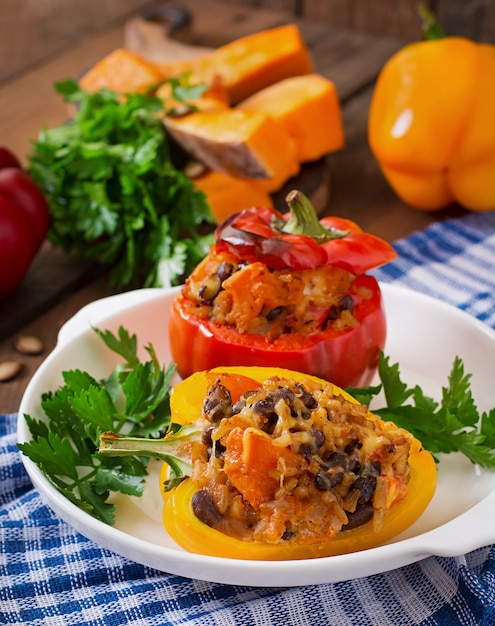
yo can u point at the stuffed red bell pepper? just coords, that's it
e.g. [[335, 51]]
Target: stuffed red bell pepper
[[284, 290]]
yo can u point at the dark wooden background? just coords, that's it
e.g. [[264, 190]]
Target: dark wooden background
[[31, 32]]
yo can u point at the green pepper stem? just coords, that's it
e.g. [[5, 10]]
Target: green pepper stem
[[173, 449], [303, 219], [429, 25]]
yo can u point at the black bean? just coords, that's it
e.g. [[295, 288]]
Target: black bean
[[347, 303], [366, 486], [270, 421], [210, 288], [372, 468], [333, 314], [206, 437], [264, 406], [306, 397], [218, 403], [360, 516], [305, 451], [282, 393], [324, 481], [225, 270], [337, 459], [287, 534], [354, 444], [319, 438], [274, 313], [354, 465], [204, 508], [219, 450]]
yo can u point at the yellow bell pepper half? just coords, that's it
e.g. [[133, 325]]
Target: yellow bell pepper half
[[431, 124], [193, 535]]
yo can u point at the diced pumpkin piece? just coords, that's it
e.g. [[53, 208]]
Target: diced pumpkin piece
[[121, 71], [308, 109], [250, 63], [252, 461], [239, 143], [228, 194]]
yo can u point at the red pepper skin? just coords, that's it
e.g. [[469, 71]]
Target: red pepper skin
[[24, 221], [8, 159], [346, 358], [250, 236], [22, 191], [17, 246]]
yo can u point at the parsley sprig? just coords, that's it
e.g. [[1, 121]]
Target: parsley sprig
[[452, 424], [97, 435], [116, 189], [133, 400]]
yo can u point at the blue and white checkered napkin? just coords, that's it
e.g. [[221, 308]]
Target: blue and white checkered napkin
[[50, 575]]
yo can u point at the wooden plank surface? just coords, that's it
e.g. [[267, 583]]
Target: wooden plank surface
[[31, 32]]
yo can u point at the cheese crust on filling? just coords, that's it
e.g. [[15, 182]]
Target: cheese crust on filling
[[292, 461]]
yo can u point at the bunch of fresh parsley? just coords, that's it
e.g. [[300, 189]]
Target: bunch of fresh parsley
[[116, 189], [133, 404]]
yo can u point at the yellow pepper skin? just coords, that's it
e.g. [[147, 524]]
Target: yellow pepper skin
[[431, 124], [193, 535]]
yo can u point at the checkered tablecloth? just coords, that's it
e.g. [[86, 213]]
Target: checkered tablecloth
[[50, 575]]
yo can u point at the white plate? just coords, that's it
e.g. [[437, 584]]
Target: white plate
[[424, 336]]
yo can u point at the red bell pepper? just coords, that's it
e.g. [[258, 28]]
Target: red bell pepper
[[343, 353], [24, 222], [7, 159]]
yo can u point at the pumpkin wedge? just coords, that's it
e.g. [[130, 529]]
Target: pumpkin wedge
[[307, 108], [121, 71], [249, 63], [227, 194], [239, 143]]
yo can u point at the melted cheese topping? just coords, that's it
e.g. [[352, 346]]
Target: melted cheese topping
[[294, 462]]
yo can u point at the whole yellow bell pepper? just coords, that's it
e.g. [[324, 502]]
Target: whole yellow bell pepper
[[193, 535], [432, 124]]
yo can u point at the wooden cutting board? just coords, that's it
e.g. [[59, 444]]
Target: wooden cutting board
[[167, 33]]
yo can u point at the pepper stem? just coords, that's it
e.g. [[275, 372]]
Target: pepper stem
[[429, 25], [172, 449], [303, 219]]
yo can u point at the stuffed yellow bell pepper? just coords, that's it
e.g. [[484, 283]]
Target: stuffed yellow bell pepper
[[283, 465], [432, 124]]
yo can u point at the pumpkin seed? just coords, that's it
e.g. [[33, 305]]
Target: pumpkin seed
[[9, 370], [28, 344]]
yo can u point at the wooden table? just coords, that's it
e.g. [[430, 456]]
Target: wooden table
[[57, 285]]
